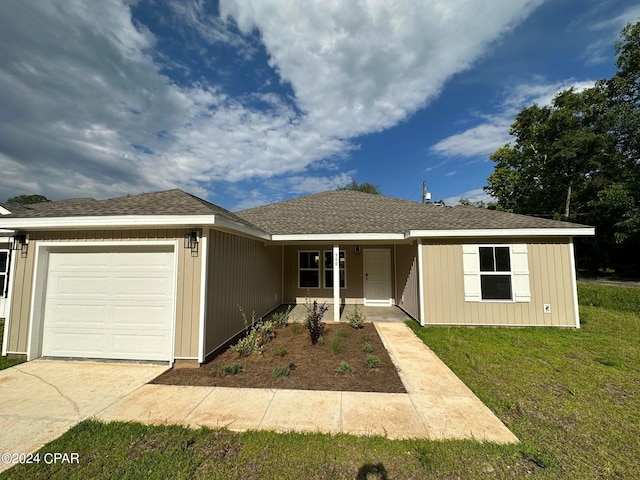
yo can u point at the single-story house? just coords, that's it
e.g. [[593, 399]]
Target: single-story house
[[161, 276]]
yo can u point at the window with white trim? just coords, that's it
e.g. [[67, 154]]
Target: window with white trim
[[494, 273], [309, 269], [328, 269], [4, 273]]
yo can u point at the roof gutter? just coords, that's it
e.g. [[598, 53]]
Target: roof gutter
[[504, 232]]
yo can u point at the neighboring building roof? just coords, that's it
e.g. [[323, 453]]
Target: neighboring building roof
[[348, 211], [167, 203]]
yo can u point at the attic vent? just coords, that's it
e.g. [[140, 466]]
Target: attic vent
[[4, 211]]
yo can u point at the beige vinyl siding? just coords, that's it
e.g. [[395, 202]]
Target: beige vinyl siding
[[241, 272], [354, 292], [549, 281], [407, 296], [188, 294]]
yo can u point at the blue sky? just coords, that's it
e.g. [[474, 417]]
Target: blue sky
[[247, 102]]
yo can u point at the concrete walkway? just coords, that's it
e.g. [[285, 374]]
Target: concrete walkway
[[44, 398], [437, 406]]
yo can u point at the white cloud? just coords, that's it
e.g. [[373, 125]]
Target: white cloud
[[493, 131], [602, 49], [477, 195], [88, 111]]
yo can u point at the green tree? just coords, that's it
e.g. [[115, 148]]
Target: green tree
[[28, 199], [578, 159], [362, 187]]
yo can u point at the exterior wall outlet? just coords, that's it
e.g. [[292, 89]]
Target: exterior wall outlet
[[546, 308]]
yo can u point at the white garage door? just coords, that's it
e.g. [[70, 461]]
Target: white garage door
[[115, 305]]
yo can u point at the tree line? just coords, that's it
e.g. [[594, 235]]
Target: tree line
[[578, 160]]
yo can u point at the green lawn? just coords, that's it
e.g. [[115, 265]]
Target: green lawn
[[4, 361], [571, 396]]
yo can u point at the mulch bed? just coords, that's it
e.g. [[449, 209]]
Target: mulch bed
[[312, 367]]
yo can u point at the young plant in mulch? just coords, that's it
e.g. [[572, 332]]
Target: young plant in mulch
[[280, 319], [367, 347], [259, 333], [373, 361], [232, 369], [356, 318], [281, 371], [313, 322], [280, 351], [344, 368]]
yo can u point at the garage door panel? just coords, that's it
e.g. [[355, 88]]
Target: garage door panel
[[103, 304], [142, 287], [134, 317], [143, 347], [80, 285]]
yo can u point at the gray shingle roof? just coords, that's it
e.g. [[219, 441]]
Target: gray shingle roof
[[347, 211], [169, 202]]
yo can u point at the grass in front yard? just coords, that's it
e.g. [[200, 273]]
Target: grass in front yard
[[569, 395], [4, 361]]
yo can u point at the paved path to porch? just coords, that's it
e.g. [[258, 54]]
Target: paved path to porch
[[437, 406]]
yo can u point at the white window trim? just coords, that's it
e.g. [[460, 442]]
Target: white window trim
[[320, 259], [5, 274], [494, 272], [325, 270], [520, 281]]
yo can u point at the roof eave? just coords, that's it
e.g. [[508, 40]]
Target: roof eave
[[505, 232], [115, 221], [304, 237]]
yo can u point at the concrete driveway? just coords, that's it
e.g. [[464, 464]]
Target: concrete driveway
[[43, 399]]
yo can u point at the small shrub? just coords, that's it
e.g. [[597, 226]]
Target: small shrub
[[233, 369], [336, 345], [366, 338], [295, 328], [345, 368], [341, 333], [367, 347], [281, 371], [281, 351], [373, 361], [313, 322], [280, 319], [258, 334], [356, 318]]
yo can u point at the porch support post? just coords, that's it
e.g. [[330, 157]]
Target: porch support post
[[421, 283], [336, 283]]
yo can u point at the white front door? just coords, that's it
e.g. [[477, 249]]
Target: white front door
[[377, 277]]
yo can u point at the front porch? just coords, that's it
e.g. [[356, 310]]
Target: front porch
[[371, 314]]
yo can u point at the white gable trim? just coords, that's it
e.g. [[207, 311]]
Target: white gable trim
[[4, 211], [505, 232]]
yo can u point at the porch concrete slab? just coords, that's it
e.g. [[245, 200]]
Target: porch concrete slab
[[389, 414], [155, 404], [462, 417], [44, 398], [290, 411], [234, 408], [371, 314]]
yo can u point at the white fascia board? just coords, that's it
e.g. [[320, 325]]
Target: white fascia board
[[337, 236], [4, 211], [109, 221], [504, 232], [239, 227]]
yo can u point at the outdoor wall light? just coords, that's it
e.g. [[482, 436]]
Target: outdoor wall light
[[21, 242], [191, 240], [357, 249]]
